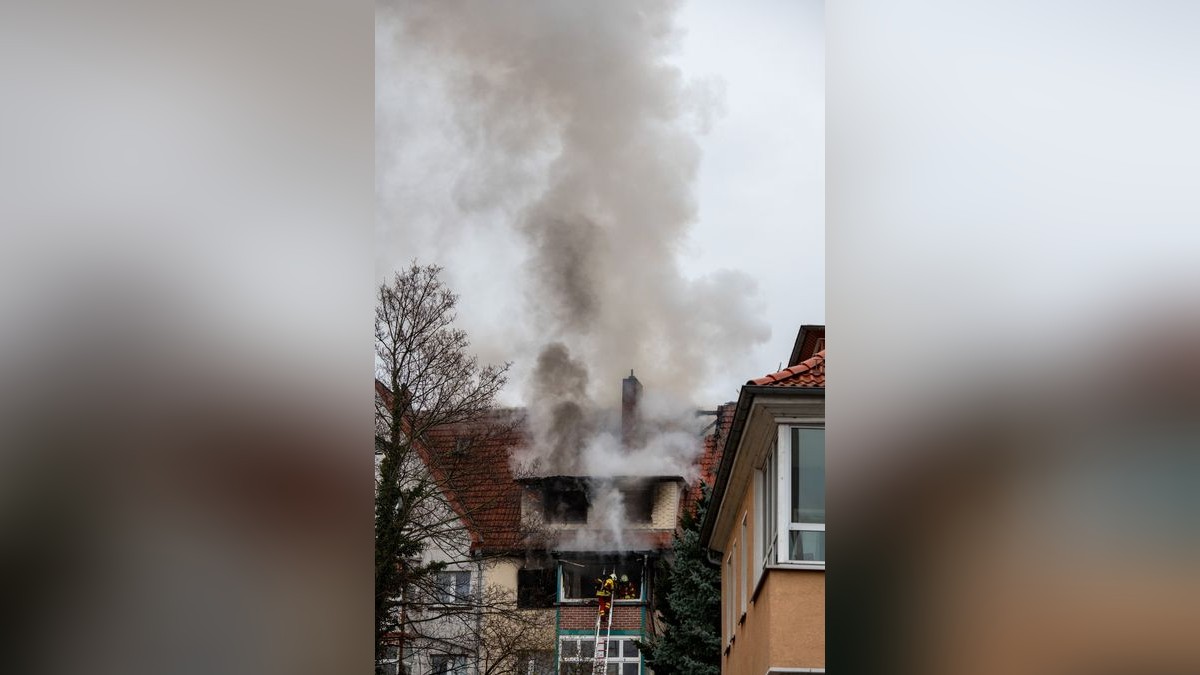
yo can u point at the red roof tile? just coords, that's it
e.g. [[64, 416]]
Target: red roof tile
[[474, 459], [809, 373], [710, 459]]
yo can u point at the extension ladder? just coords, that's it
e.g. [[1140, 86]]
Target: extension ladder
[[600, 659]]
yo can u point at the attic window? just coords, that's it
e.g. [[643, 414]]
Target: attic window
[[462, 444], [639, 503], [565, 505]]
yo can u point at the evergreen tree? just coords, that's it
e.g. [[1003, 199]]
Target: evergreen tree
[[690, 643]]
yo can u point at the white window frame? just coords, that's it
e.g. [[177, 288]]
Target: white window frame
[[783, 494], [766, 524], [729, 601], [449, 595], [613, 659], [745, 567]]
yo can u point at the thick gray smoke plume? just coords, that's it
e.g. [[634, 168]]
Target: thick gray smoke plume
[[583, 135]]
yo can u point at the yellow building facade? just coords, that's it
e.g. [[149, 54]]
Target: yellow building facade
[[766, 524]]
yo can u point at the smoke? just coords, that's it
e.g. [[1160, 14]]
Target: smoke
[[608, 523], [582, 139], [565, 419]]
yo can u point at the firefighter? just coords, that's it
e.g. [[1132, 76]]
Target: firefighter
[[604, 592], [625, 589]]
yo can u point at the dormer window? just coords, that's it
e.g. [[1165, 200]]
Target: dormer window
[[565, 504], [639, 503]]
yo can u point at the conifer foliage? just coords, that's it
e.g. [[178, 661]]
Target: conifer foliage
[[690, 643]]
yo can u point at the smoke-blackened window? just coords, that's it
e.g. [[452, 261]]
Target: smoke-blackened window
[[536, 589], [639, 504], [566, 505], [583, 580]]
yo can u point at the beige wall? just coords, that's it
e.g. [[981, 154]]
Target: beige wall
[[666, 507], [502, 572], [784, 623]]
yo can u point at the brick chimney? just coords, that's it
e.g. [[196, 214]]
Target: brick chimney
[[631, 391]]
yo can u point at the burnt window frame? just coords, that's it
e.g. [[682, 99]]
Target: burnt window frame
[[555, 494], [529, 594], [650, 492]]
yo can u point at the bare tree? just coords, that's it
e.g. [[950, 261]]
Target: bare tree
[[434, 403]]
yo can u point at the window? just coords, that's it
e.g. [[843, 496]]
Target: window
[[767, 508], [802, 494], [536, 589], [744, 567], [448, 664], [565, 505], [535, 663], [453, 587], [580, 580], [639, 504], [730, 584], [391, 662], [577, 654], [790, 500], [461, 445]]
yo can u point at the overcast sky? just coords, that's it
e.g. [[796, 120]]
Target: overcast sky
[[760, 190], [762, 179]]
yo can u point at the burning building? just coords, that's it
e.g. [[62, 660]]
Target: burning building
[[551, 539], [586, 131], [601, 539]]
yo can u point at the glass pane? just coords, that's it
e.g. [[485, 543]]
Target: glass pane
[[808, 475], [613, 669], [587, 649], [614, 647], [807, 545], [631, 650], [629, 669]]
